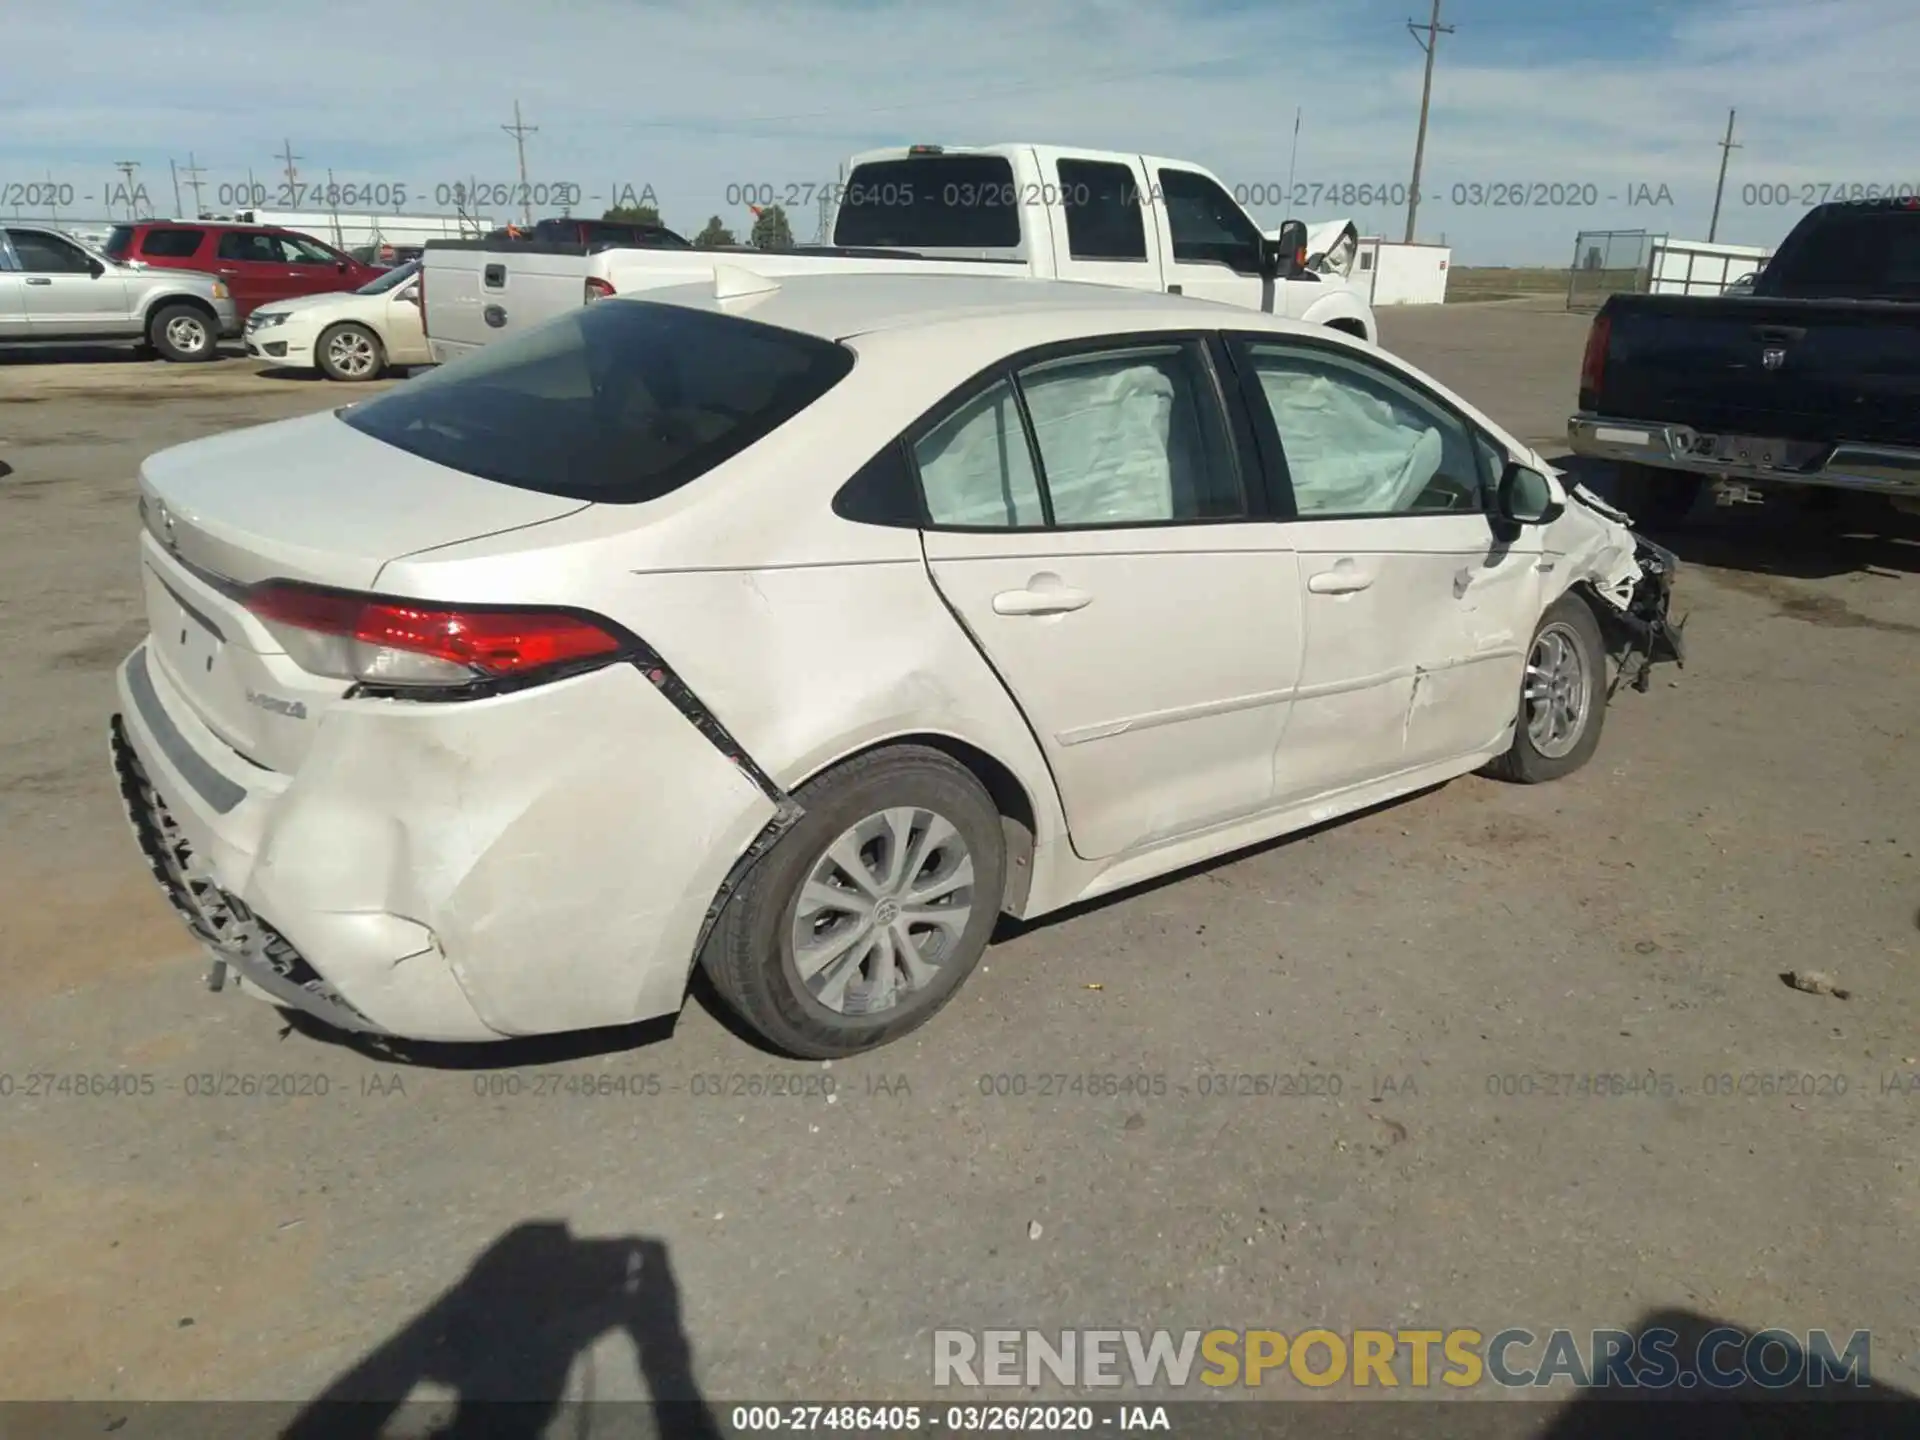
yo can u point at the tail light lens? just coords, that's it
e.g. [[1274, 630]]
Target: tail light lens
[[1593, 365], [597, 289], [386, 641]]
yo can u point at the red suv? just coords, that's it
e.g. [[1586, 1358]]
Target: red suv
[[260, 263]]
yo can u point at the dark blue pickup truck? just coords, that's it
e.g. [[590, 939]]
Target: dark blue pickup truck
[[1810, 382]]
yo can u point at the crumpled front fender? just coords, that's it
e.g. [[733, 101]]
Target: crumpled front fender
[[1629, 576]]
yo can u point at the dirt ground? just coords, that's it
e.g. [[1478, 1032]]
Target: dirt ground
[[475, 1222]]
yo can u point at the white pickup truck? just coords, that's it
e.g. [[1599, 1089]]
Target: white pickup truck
[[1135, 221]]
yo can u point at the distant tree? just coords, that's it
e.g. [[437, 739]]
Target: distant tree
[[770, 229], [716, 236], [633, 214]]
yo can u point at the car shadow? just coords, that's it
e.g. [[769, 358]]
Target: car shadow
[[1803, 1407], [530, 1050], [1828, 535], [312, 375], [128, 354], [508, 1336]]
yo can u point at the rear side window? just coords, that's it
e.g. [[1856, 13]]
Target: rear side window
[[930, 202], [1104, 219], [171, 244], [619, 403], [1852, 253], [119, 242]]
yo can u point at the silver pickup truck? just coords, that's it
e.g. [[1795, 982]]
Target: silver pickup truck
[[55, 290]]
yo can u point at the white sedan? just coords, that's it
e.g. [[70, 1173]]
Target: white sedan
[[798, 629], [347, 335]]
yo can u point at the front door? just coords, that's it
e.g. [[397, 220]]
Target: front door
[[254, 267], [1417, 615], [312, 269], [64, 299], [1211, 245], [1089, 525]]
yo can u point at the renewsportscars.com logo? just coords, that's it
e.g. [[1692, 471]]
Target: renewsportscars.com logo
[[1459, 1359]]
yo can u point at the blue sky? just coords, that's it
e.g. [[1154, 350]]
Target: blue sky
[[1607, 99]]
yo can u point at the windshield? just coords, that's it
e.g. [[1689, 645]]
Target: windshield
[[929, 202], [618, 402], [391, 280]]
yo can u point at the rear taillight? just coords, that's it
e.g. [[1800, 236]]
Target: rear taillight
[[385, 641], [1593, 365], [597, 289]]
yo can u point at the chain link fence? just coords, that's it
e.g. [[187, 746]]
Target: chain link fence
[[1610, 262]]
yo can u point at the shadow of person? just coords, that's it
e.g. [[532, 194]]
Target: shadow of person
[[505, 1339]]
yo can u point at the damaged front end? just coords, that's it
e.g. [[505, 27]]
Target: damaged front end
[[1630, 577]]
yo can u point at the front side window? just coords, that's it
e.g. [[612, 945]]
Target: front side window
[[1358, 441], [296, 251], [42, 254], [1205, 225], [616, 403]]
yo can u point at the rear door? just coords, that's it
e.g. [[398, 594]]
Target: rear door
[[1104, 230], [1091, 521], [1417, 616], [251, 263], [13, 295], [64, 299]]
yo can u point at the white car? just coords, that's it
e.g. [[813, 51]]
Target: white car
[[805, 629], [347, 335]]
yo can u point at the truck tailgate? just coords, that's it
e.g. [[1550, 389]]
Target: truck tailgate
[[1812, 370]]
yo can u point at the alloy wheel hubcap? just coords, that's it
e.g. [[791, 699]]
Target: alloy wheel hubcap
[[1558, 691], [883, 908], [185, 334], [351, 354]]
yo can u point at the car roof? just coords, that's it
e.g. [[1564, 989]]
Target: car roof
[[841, 307]]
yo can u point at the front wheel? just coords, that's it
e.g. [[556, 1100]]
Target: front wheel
[[864, 919], [184, 333], [1563, 697], [350, 352]]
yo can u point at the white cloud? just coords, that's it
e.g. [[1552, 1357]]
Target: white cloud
[[691, 98]]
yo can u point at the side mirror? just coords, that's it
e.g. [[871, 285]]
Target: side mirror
[[411, 295], [1524, 497], [341, 267], [1286, 254], [96, 268]]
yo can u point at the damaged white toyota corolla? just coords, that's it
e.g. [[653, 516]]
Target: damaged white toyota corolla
[[800, 630]]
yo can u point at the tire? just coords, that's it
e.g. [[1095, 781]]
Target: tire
[[350, 353], [1653, 496], [1568, 628], [184, 334], [754, 954]]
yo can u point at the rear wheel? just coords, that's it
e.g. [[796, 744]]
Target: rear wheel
[[1654, 496], [350, 352], [866, 917], [184, 333], [1563, 697]]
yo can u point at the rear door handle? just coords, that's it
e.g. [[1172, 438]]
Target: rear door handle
[[229, 269], [1054, 600], [1345, 578], [1779, 334], [39, 280]]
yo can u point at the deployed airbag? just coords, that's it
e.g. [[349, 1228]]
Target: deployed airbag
[[1347, 451]]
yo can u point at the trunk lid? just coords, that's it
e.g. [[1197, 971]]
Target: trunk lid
[[1838, 369], [309, 499]]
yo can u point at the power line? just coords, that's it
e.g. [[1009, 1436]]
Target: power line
[[1727, 147], [1434, 30], [520, 133]]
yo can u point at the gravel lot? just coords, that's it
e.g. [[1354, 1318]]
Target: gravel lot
[[1758, 812]]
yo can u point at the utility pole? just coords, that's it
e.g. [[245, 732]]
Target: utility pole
[[174, 170], [126, 169], [192, 172], [293, 175], [520, 133], [1434, 30], [1727, 147]]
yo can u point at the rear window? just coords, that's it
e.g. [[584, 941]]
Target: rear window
[[171, 244], [119, 242], [1851, 253], [619, 402], [931, 202]]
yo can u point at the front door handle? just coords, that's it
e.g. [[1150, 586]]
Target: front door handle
[[229, 269], [1047, 600], [39, 280], [1345, 578]]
